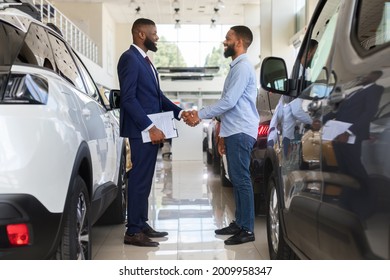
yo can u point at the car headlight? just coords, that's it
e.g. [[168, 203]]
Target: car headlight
[[25, 89]]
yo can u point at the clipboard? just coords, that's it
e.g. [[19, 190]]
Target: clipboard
[[333, 128], [164, 121]]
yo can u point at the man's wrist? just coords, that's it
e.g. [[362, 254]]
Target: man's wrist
[[149, 127], [350, 133]]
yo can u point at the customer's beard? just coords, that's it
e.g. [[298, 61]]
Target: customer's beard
[[150, 45], [229, 52]]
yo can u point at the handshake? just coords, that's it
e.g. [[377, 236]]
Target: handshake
[[191, 118]]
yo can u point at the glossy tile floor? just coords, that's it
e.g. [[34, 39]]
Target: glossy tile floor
[[187, 201]]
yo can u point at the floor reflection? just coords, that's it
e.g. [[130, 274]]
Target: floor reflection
[[187, 201]]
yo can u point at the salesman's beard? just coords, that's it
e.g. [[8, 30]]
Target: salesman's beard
[[150, 45], [229, 51]]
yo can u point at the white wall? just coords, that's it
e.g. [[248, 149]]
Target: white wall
[[265, 28], [283, 28], [252, 20], [123, 40], [95, 21], [108, 52], [87, 17]]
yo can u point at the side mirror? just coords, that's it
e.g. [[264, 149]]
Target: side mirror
[[115, 98], [273, 75]]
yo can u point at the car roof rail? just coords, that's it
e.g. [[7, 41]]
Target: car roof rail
[[26, 6]]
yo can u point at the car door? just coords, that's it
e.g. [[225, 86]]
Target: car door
[[353, 217], [299, 153], [94, 118], [111, 148]]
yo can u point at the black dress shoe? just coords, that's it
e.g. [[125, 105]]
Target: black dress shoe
[[139, 239], [241, 237], [150, 232], [233, 228]]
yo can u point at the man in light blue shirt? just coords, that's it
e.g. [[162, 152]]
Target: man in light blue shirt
[[239, 125], [289, 112]]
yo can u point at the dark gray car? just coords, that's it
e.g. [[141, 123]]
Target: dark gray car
[[337, 206]]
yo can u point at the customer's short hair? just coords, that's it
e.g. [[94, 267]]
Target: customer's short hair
[[141, 22], [243, 33]]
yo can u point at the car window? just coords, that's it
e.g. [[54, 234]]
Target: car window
[[324, 47], [373, 24], [309, 67], [36, 49], [65, 63], [90, 85], [10, 43], [323, 33]]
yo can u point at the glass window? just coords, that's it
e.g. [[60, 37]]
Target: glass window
[[325, 39], [191, 46], [312, 60], [10, 43], [36, 48], [373, 27], [92, 90], [65, 63]]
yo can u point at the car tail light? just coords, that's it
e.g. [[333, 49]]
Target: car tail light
[[25, 89], [18, 234], [263, 130]]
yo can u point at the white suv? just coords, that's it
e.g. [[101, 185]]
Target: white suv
[[62, 162]]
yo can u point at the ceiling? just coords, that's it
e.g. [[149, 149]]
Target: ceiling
[[162, 11]]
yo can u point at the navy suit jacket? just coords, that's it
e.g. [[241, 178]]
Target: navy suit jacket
[[140, 94], [359, 109]]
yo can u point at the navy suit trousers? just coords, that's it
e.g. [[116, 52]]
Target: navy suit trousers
[[143, 157]]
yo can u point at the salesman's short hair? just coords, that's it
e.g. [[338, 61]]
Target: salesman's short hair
[[141, 22]]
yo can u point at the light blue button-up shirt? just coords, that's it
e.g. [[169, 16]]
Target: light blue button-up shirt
[[237, 106]]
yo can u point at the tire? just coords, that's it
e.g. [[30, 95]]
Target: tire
[[76, 241], [116, 212], [277, 246]]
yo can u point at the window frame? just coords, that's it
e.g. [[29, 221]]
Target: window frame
[[362, 52]]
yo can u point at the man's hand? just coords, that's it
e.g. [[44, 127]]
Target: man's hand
[[221, 146], [343, 137], [191, 118], [316, 125], [156, 135]]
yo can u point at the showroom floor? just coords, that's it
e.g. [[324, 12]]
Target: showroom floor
[[187, 201]]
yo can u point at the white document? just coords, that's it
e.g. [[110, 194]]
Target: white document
[[334, 128], [163, 121]]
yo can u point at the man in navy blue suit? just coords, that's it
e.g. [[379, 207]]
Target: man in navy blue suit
[[141, 95], [358, 108]]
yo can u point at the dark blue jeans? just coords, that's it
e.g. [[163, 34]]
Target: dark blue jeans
[[238, 150]]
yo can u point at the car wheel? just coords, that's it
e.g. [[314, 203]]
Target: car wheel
[[116, 212], [76, 242], [278, 249]]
